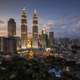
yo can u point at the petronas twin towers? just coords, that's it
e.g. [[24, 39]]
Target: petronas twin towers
[[24, 29]]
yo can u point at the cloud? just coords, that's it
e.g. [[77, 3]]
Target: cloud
[[50, 23], [69, 26], [1, 22]]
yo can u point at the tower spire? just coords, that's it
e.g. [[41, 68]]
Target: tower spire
[[35, 12], [24, 9]]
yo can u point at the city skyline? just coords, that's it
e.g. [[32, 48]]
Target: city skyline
[[63, 17]]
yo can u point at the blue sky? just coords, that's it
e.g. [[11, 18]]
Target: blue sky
[[62, 16]]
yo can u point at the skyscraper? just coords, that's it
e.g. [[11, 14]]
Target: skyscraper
[[51, 39], [23, 28], [11, 27], [35, 30], [44, 39]]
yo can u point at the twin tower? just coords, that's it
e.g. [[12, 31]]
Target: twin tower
[[24, 29]]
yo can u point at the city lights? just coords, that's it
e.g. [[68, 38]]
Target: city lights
[[41, 43]]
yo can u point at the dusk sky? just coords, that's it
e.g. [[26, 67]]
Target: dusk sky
[[62, 16]]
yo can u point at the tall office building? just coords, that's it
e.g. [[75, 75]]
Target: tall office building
[[44, 39], [11, 27], [35, 30], [51, 39], [24, 28]]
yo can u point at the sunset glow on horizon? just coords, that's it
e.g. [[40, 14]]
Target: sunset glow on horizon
[[63, 16]]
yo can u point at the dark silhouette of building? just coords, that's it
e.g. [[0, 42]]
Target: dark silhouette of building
[[8, 45], [11, 27], [51, 39]]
